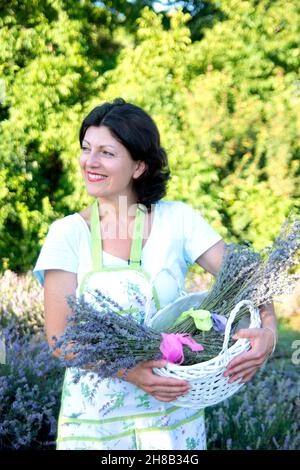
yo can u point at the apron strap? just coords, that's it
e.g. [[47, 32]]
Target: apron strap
[[136, 245], [96, 238]]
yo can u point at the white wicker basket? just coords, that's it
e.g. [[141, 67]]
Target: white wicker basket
[[208, 384]]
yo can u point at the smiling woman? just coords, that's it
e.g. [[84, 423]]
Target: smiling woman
[[108, 175], [117, 246], [123, 138]]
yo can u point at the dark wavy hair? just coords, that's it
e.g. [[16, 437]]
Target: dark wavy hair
[[137, 131]]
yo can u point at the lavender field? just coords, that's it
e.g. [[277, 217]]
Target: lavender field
[[264, 415]]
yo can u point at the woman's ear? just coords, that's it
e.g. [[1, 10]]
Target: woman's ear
[[140, 169]]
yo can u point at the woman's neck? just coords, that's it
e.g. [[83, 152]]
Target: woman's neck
[[120, 209]]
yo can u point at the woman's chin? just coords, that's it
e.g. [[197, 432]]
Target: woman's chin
[[94, 190]]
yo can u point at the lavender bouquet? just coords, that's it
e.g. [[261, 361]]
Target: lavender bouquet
[[244, 274], [104, 339]]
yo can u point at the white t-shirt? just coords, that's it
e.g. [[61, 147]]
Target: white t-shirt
[[178, 236]]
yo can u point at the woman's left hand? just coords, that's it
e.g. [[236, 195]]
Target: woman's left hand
[[246, 364]]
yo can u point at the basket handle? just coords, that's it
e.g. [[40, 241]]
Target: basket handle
[[254, 315]]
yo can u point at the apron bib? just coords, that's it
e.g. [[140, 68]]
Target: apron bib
[[120, 415]]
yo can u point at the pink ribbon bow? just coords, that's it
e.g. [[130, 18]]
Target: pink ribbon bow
[[171, 346]]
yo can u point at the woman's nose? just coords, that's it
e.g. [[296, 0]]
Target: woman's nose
[[93, 159]]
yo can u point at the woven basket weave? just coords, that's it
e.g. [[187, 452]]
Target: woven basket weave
[[208, 384]]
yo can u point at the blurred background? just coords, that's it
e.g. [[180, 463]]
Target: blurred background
[[221, 80]]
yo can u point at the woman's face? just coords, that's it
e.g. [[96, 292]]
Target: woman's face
[[107, 166]]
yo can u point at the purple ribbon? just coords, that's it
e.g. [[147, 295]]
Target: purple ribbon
[[219, 322]]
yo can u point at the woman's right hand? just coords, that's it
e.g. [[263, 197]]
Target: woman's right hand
[[162, 388]]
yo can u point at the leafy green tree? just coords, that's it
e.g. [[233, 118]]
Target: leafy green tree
[[48, 75], [226, 105], [244, 91]]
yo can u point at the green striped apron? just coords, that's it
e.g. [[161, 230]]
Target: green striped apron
[[120, 415]]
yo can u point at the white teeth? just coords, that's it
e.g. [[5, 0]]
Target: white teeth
[[96, 177]]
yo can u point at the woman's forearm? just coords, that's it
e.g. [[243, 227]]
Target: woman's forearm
[[268, 318]]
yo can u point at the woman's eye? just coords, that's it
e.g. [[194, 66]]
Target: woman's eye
[[104, 152]]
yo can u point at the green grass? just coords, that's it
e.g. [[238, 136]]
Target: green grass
[[286, 336]]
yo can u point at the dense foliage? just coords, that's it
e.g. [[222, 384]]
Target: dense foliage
[[220, 81]]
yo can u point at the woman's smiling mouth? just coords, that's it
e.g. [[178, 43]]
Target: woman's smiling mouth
[[95, 177]]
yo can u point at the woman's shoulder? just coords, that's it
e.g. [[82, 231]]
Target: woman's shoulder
[[173, 207], [180, 213], [170, 203], [66, 221], [177, 205], [69, 225]]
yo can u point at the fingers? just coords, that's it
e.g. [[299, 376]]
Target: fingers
[[162, 381], [168, 389], [241, 368], [249, 376], [241, 358], [247, 333], [165, 389], [157, 380], [254, 357], [166, 386], [244, 375], [144, 377], [167, 396], [161, 398], [157, 364], [244, 358], [167, 383]]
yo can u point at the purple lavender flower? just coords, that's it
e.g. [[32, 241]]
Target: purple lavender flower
[[104, 341], [29, 406]]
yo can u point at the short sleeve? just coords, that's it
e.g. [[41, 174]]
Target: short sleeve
[[60, 249], [199, 235]]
